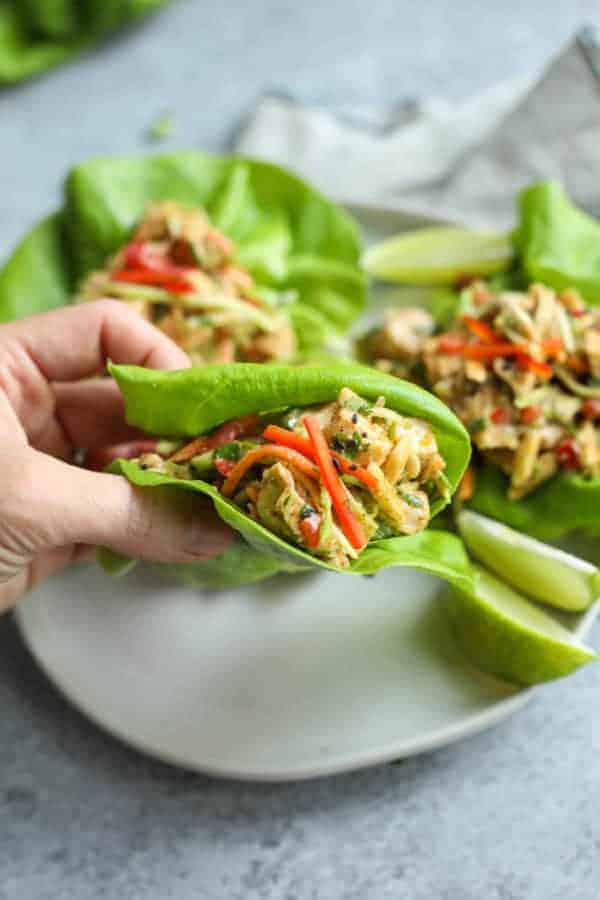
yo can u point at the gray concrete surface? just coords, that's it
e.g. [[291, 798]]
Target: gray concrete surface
[[509, 815]]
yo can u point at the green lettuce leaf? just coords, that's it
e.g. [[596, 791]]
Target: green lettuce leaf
[[35, 278], [192, 402], [290, 237], [38, 34], [565, 503], [558, 244]]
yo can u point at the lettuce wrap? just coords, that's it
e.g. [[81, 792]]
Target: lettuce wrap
[[293, 241], [517, 358], [193, 403], [38, 34]]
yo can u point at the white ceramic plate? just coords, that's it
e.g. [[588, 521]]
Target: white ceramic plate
[[293, 678]]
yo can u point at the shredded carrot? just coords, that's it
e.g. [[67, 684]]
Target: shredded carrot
[[334, 485], [577, 364], [302, 445], [199, 445], [467, 485], [481, 330], [552, 347], [174, 282], [267, 451]]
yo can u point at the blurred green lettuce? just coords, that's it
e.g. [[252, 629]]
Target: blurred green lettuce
[[38, 34], [291, 238], [557, 244]]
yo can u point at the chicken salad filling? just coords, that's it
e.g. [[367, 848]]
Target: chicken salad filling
[[180, 273], [328, 479], [521, 369]]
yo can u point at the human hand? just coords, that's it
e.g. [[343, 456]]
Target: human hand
[[50, 405]]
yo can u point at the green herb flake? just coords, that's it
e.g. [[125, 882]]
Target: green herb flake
[[476, 425], [231, 452], [162, 128], [413, 500]]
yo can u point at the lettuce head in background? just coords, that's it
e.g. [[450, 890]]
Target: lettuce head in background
[[38, 34]]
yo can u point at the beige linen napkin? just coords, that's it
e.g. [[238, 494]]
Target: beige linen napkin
[[457, 161]]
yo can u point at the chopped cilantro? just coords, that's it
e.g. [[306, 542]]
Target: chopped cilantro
[[231, 452], [413, 500], [476, 425]]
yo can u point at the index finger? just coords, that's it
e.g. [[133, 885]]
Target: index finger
[[75, 342]]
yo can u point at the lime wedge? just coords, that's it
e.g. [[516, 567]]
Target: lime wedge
[[439, 255], [502, 633], [536, 569]]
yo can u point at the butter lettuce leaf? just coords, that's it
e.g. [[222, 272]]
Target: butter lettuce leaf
[[293, 240], [36, 35]]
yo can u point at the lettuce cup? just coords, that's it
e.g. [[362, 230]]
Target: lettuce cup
[[237, 260], [339, 468]]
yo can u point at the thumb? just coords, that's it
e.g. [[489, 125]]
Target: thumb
[[73, 505]]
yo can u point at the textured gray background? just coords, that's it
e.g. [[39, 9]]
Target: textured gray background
[[509, 815]]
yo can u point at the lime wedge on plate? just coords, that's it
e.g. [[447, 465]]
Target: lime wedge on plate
[[536, 569], [502, 633], [439, 255]]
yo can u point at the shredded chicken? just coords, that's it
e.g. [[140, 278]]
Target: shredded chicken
[[521, 369], [397, 455]]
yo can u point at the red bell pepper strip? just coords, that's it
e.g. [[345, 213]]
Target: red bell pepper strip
[[174, 282], [529, 415], [500, 416], [229, 431], [451, 343], [302, 445], [541, 369], [310, 527], [333, 484], [569, 455], [491, 351]]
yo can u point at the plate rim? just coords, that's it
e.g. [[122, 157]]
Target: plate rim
[[389, 753]]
